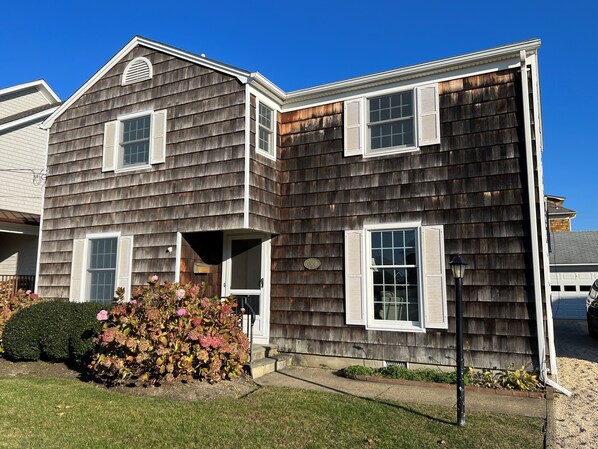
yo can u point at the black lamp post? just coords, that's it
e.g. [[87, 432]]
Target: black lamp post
[[458, 268]]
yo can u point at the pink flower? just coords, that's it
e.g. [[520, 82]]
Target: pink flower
[[195, 289], [133, 301], [33, 296], [28, 292], [181, 311], [226, 309], [102, 315], [180, 293], [155, 278]]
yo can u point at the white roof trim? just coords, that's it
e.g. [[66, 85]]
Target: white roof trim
[[241, 75], [30, 118], [41, 85]]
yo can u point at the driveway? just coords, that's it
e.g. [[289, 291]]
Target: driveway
[[577, 360]]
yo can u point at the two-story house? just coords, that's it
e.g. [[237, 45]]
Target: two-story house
[[22, 172], [335, 209]]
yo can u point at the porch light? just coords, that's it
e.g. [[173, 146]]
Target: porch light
[[458, 267]]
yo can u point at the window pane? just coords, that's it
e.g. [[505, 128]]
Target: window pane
[[135, 141], [102, 269], [395, 288], [265, 117], [246, 263]]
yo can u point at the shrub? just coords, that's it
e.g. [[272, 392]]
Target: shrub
[[53, 330], [358, 370], [510, 379], [169, 332], [10, 304]]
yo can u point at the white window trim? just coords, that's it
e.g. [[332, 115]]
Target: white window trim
[[275, 111], [118, 151], [86, 254], [392, 325], [367, 130]]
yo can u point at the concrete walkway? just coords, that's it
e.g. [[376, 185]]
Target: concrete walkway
[[327, 380]]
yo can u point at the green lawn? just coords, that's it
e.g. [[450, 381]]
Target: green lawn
[[62, 413]]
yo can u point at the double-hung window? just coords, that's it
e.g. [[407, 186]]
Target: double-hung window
[[395, 277], [101, 272], [391, 121], [101, 263], [135, 141], [266, 129]]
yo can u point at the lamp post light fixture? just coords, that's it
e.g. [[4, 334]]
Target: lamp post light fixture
[[458, 268]]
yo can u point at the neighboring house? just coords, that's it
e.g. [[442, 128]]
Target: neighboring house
[[559, 217], [573, 269], [335, 209], [22, 171]]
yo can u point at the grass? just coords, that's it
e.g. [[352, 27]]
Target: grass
[[62, 413]]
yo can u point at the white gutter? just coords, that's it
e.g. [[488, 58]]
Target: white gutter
[[177, 267], [41, 219], [534, 229]]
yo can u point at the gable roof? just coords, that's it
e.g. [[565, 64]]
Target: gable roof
[[40, 85], [574, 248], [240, 74], [294, 98], [555, 211]]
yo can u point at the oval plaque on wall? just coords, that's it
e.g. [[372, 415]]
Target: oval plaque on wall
[[312, 263]]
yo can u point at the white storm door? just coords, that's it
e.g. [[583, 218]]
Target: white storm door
[[246, 259]]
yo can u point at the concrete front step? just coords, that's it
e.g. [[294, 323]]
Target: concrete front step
[[266, 365], [259, 352]]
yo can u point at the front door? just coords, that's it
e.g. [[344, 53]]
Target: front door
[[246, 274]]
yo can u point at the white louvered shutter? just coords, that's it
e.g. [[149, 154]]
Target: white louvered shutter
[[110, 142], [434, 291], [353, 127], [78, 266], [428, 115], [354, 294], [125, 264], [158, 150]]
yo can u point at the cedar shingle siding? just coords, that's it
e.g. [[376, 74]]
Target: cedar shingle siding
[[200, 187], [472, 183]]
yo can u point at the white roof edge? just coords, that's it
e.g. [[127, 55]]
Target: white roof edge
[[30, 118], [241, 75], [441, 65], [262, 83], [40, 84]]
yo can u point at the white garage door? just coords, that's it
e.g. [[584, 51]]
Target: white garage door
[[569, 292]]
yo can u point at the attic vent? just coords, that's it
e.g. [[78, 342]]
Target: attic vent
[[139, 69]]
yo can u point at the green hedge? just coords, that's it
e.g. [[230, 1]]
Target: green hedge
[[53, 330]]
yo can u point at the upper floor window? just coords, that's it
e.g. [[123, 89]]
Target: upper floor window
[[391, 121], [394, 122], [266, 129], [135, 141]]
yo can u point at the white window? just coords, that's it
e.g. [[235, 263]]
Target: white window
[[395, 277], [101, 271], [392, 122], [266, 129], [100, 264], [135, 141]]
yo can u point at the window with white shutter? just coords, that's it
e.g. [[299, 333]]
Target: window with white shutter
[[135, 141], [395, 277], [395, 122], [100, 264]]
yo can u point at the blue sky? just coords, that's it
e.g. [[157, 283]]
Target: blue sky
[[306, 43]]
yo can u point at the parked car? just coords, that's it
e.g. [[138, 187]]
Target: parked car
[[592, 310]]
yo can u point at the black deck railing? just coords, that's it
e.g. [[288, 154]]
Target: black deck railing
[[9, 285], [245, 308]]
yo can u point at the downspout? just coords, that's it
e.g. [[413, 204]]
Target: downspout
[[41, 216], [544, 227], [534, 228]]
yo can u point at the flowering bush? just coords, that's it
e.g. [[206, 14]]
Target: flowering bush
[[168, 332], [10, 304]]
